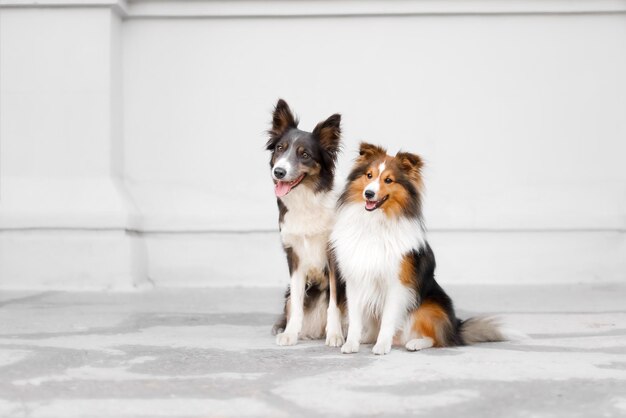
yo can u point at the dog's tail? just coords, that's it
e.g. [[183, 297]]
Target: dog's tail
[[486, 329]]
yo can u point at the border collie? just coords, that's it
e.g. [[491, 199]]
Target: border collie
[[303, 170], [381, 253]]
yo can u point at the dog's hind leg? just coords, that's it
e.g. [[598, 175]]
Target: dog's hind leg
[[315, 303], [281, 322], [334, 333], [279, 325]]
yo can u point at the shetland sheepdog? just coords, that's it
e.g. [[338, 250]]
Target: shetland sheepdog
[[303, 169], [381, 253]]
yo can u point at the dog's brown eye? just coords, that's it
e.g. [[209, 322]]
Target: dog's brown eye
[[388, 180], [305, 155], [369, 175], [279, 148]]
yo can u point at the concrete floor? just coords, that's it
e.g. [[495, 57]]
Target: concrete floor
[[209, 353]]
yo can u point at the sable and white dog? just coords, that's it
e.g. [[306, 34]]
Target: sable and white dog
[[303, 170], [381, 253]]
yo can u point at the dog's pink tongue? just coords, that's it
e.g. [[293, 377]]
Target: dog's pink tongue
[[369, 204], [281, 188]]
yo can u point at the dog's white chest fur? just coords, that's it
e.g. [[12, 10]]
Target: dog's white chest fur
[[369, 248], [307, 225]]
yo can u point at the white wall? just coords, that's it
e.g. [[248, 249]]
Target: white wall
[[131, 133]]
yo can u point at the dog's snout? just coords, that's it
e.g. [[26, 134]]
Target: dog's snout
[[369, 194], [279, 172]]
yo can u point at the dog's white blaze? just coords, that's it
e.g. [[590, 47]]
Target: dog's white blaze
[[369, 247], [375, 185], [283, 162]]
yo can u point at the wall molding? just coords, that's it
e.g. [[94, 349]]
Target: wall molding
[[118, 260], [146, 9], [99, 225]]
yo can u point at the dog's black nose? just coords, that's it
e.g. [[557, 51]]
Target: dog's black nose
[[280, 172], [369, 194]]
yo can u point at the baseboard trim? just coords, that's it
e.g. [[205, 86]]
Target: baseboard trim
[[122, 260]]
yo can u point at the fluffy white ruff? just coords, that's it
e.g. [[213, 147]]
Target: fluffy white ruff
[[369, 247]]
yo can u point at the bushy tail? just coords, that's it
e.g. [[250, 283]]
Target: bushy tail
[[481, 330]]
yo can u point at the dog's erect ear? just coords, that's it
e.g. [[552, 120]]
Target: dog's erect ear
[[412, 163], [282, 121], [328, 133], [369, 152]]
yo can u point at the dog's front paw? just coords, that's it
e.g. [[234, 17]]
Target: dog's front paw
[[287, 338], [382, 348], [334, 340], [350, 347]]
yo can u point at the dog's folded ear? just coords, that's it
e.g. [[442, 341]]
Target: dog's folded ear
[[282, 121], [412, 163], [369, 152], [328, 133]]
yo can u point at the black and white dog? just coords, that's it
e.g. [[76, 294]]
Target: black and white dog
[[303, 170]]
